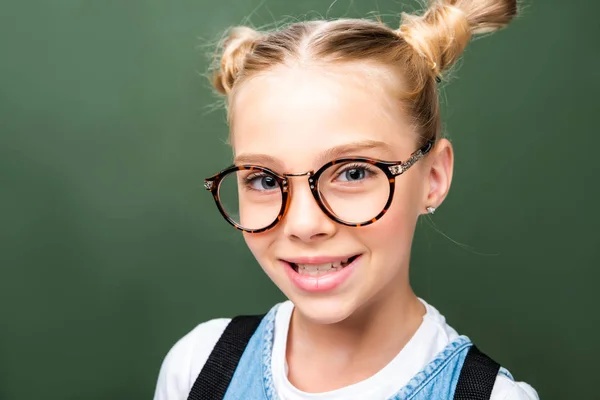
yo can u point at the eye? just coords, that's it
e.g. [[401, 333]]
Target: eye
[[261, 182], [354, 173]]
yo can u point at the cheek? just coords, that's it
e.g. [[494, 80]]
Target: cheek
[[394, 232], [255, 244], [259, 245]]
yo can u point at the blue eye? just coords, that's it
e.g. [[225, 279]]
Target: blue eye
[[355, 173], [261, 182]]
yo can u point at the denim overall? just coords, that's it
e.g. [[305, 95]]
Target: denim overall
[[254, 380]]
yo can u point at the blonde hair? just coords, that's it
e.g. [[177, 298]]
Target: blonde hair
[[421, 49]]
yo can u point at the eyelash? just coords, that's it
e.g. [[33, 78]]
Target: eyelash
[[253, 176], [346, 168], [250, 178]]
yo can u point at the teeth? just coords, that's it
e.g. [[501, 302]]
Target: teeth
[[318, 269]]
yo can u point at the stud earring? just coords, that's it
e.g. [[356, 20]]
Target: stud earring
[[431, 210]]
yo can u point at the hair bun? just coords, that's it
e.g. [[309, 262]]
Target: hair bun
[[235, 48], [442, 33]]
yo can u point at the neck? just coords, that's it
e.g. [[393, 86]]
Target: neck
[[360, 345], [380, 319]]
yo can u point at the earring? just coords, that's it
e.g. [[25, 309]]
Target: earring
[[431, 210]]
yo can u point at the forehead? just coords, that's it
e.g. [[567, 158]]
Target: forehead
[[295, 114]]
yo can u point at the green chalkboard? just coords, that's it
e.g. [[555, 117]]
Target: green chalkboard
[[111, 250]]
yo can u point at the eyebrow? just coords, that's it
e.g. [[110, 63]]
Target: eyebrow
[[353, 149], [347, 149]]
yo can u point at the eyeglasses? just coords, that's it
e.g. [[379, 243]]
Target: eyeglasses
[[352, 191]]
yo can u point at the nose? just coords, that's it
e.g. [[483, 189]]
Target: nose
[[304, 220]]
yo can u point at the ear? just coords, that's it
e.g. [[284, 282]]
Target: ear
[[439, 174]]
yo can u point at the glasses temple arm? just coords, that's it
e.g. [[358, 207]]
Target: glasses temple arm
[[399, 169]]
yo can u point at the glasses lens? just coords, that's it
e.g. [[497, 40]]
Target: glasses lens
[[356, 192], [251, 198]]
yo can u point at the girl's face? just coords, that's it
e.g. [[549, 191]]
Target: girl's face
[[294, 120]]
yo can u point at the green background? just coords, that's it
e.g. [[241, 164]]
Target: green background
[[111, 250]]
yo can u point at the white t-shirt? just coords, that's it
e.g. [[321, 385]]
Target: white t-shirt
[[187, 357]]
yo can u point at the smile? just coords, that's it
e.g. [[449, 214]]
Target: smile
[[320, 274]]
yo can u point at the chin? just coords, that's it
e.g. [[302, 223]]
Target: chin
[[323, 309]]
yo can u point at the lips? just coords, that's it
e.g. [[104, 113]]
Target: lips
[[320, 274]]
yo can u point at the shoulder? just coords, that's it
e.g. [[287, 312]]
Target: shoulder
[[506, 388], [186, 358]]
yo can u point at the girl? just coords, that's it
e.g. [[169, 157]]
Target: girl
[[336, 133]]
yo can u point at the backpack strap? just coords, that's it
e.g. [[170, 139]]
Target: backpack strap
[[214, 379], [477, 376]]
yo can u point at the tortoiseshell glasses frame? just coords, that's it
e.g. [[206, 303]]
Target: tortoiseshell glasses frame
[[389, 168]]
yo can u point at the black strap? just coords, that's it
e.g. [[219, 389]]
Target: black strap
[[477, 376], [214, 379]]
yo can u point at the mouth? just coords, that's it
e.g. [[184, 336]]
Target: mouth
[[314, 269], [321, 274]]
